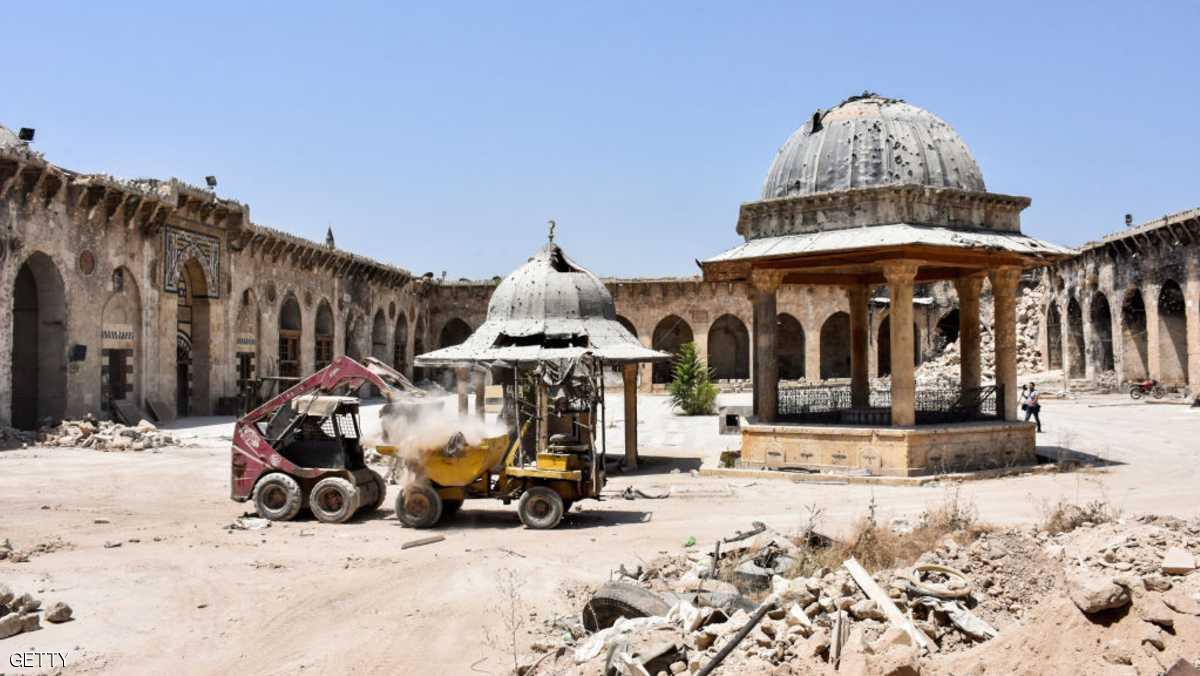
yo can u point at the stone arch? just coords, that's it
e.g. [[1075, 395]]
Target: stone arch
[[246, 340], [789, 340], [121, 341], [290, 333], [1075, 345], [1102, 332], [379, 337], [323, 331], [628, 325], [193, 339], [835, 346], [39, 345], [883, 347], [671, 333], [1135, 350], [400, 344], [454, 332], [729, 348], [946, 330], [1053, 337], [1172, 334]]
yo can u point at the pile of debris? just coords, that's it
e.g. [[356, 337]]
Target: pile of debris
[[755, 603], [15, 555], [943, 369], [19, 614], [11, 437], [106, 435]]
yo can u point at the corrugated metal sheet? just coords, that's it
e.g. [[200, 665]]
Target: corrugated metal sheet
[[897, 234], [870, 140], [552, 300]]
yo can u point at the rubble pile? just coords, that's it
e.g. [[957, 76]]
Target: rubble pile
[[23, 612], [106, 435], [759, 606], [943, 369], [22, 555]]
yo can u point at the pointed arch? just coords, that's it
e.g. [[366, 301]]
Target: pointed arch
[[1102, 333], [729, 348], [1135, 352], [670, 334], [323, 331], [789, 340], [39, 343], [1172, 334], [400, 344], [835, 346], [1054, 353], [1075, 346], [121, 341], [290, 333]]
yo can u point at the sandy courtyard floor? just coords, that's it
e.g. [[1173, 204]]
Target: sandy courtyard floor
[[183, 595]]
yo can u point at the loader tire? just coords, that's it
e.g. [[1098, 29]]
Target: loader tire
[[278, 497], [450, 508], [333, 500], [380, 493], [540, 508], [615, 600], [418, 506]]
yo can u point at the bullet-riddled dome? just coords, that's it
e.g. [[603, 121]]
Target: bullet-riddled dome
[[868, 141]]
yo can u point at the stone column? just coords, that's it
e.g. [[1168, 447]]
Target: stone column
[[764, 285], [860, 384], [460, 385], [1191, 296], [1004, 291], [1091, 351], [480, 383], [969, 363], [1153, 352], [630, 395], [900, 276]]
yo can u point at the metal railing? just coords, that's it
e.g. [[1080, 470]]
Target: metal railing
[[831, 405]]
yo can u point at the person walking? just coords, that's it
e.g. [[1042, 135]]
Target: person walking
[[1032, 404]]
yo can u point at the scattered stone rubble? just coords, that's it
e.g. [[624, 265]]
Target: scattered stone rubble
[[972, 602], [106, 435], [20, 613], [15, 555]]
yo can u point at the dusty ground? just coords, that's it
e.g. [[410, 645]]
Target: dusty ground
[[183, 595]]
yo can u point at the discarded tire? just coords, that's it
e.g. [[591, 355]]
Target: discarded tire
[[540, 508], [333, 500], [277, 497], [418, 506], [615, 600]]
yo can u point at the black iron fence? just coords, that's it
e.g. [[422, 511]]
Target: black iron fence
[[831, 405]]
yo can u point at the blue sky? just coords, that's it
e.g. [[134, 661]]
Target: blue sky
[[442, 136]]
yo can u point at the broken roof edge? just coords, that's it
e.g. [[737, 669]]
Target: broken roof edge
[[1176, 218]]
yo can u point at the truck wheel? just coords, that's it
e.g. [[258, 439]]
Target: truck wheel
[[277, 497], [380, 492], [418, 506], [540, 508], [333, 500]]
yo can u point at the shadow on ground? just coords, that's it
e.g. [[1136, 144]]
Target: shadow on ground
[[657, 464], [1069, 457]]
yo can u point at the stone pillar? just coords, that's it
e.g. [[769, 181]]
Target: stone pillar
[[969, 366], [900, 276], [1004, 291], [480, 383], [460, 385], [1191, 296], [630, 395], [1091, 351], [860, 383], [1153, 352], [765, 284]]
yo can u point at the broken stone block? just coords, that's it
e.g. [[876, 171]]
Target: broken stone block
[[1157, 583], [30, 622], [25, 603], [11, 625], [1178, 561], [1093, 593], [891, 637], [1181, 603], [867, 609], [58, 612], [1152, 609]]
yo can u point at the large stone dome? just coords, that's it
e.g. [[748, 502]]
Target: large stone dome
[[550, 286], [868, 141]]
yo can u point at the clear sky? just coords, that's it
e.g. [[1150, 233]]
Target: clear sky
[[442, 136]]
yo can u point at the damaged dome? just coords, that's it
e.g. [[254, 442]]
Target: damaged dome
[[868, 141]]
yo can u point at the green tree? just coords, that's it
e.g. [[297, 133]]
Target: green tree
[[692, 389]]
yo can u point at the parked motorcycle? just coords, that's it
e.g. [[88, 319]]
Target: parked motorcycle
[[1139, 390]]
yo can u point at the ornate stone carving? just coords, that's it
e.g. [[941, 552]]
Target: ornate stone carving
[[180, 246]]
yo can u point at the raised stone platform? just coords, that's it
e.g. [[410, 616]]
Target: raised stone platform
[[889, 451]]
